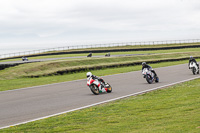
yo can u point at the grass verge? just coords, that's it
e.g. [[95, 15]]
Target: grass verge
[[175, 109]]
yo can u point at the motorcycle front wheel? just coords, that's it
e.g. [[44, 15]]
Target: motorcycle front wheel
[[149, 79], [194, 70], [94, 89], [109, 88]]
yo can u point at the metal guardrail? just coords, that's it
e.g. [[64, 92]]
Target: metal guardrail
[[26, 53]]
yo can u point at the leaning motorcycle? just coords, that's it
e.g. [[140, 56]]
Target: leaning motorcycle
[[150, 77], [193, 66], [94, 86]]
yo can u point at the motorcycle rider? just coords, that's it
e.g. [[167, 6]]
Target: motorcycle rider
[[192, 60], [89, 74], [90, 54], [144, 65]]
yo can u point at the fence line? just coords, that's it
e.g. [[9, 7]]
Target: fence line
[[26, 53]]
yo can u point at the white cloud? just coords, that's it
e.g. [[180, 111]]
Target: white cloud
[[131, 20]]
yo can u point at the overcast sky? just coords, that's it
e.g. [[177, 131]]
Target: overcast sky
[[86, 21]]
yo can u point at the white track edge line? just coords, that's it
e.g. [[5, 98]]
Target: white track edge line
[[87, 106]]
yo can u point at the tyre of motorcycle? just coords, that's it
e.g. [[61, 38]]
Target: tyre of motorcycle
[[157, 80], [95, 89], [194, 70], [149, 79], [109, 88]]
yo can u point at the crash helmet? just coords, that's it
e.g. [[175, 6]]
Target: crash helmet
[[144, 63], [191, 57], [89, 74]]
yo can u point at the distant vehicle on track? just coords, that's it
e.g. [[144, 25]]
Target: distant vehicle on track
[[90, 54], [24, 58], [107, 55]]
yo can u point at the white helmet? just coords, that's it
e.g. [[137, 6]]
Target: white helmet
[[89, 74]]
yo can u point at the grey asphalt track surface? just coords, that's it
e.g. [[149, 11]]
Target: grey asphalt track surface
[[26, 104]]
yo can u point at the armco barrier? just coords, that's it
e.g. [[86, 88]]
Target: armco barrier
[[27, 53], [110, 50]]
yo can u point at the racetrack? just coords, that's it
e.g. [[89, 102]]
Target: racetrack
[[60, 58], [26, 104]]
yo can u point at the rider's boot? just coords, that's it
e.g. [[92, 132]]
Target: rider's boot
[[155, 75], [103, 90]]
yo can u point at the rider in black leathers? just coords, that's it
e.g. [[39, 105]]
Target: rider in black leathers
[[144, 65], [192, 60]]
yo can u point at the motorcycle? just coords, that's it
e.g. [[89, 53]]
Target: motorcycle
[[89, 55], [107, 55], [95, 83], [150, 77], [194, 67], [24, 58]]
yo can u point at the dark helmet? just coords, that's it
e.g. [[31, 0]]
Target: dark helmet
[[144, 63]]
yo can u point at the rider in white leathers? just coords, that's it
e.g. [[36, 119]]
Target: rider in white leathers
[[89, 74]]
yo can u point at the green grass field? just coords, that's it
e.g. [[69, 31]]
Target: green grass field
[[171, 110], [174, 109]]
